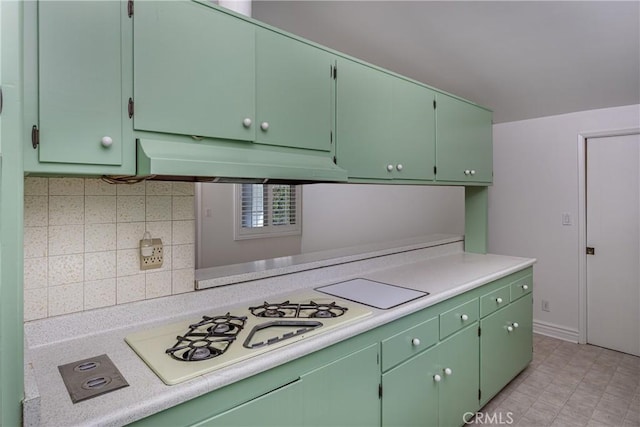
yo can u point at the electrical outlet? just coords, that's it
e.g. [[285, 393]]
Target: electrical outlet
[[155, 259], [545, 305]]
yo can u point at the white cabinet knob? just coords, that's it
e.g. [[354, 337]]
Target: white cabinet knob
[[464, 317], [510, 328], [437, 378], [399, 167], [264, 126], [448, 371], [247, 122], [389, 168], [525, 287], [473, 172], [515, 324], [467, 172], [415, 342], [106, 141], [499, 300]]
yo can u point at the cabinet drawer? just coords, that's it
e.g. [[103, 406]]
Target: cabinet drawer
[[402, 346], [458, 317], [521, 287], [494, 300]]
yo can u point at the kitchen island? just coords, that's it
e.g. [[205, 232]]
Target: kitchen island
[[452, 277]]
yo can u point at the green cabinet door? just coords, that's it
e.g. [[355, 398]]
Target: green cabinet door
[[345, 392], [505, 348], [194, 70], [463, 141], [278, 408], [384, 125], [294, 93], [80, 102], [458, 363], [410, 392]]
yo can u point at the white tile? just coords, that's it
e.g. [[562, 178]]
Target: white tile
[[66, 210], [160, 230], [35, 242], [158, 208], [66, 239], [130, 208], [100, 209], [65, 299], [130, 189], [35, 303], [130, 288], [66, 186], [34, 186], [35, 273], [183, 208], [128, 262], [184, 256], [64, 269], [158, 188], [99, 237], [183, 232], [99, 265], [98, 187], [130, 234], [183, 188], [158, 284], [36, 211], [99, 293], [183, 281]]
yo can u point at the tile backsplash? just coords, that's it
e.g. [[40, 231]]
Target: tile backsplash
[[81, 243]]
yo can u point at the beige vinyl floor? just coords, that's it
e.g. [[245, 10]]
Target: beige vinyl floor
[[569, 385]]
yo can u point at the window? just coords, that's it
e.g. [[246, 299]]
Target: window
[[267, 210]]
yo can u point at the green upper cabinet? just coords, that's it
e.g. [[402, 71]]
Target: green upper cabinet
[[384, 125], [464, 141], [77, 88], [194, 71], [294, 93]]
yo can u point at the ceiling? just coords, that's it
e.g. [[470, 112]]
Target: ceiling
[[521, 59]]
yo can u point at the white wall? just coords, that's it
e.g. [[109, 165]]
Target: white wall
[[536, 180], [216, 244], [338, 215]]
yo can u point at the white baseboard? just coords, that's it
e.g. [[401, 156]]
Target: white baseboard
[[555, 331]]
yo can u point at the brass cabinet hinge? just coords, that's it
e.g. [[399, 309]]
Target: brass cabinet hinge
[[335, 72], [435, 170], [35, 137], [130, 8], [479, 394], [1, 100], [434, 104], [130, 107], [591, 251], [479, 331], [380, 391]]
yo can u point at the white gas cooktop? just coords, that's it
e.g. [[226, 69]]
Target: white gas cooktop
[[180, 351]]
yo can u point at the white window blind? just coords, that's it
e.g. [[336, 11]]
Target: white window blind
[[266, 210]]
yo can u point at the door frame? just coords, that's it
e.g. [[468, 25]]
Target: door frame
[[582, 220]]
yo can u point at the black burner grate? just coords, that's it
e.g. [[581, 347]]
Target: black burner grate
[[302, 310]]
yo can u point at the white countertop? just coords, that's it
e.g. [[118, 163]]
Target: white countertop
[[448, 272]]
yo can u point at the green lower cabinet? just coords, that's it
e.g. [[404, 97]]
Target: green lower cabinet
[[344, 393], [505, 345], [460, 380], [278, 408], [436, 387], [410, 393]]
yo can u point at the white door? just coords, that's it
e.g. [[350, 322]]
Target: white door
[[613, 225]]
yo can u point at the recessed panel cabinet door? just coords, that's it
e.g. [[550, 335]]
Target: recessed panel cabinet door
[[410, 392], [464, 141], [194, 71], [294, 92], [345, 392], [80, 78]]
